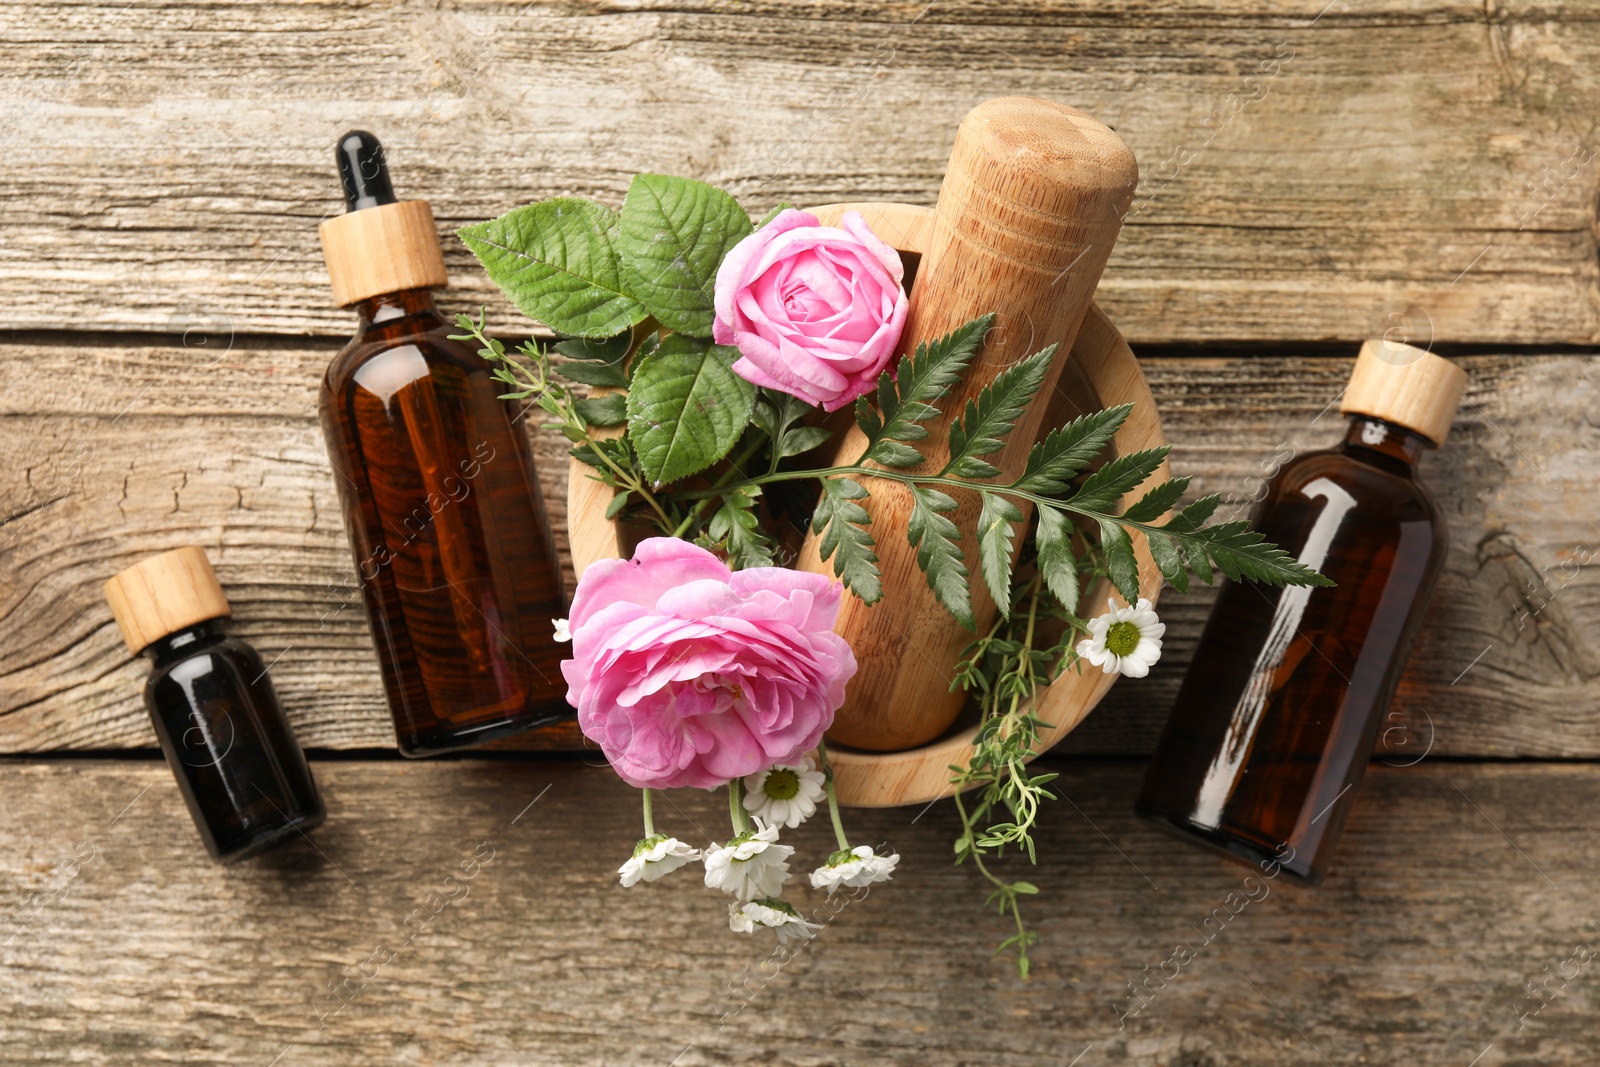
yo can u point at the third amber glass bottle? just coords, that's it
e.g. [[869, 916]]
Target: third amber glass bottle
[[1277, 716], [457, 565]]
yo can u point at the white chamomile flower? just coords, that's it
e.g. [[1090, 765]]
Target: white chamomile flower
[[776, 915], [563, 633], [784, 795], [853, 867], [1124, 640], [654, 857], [751, 866]]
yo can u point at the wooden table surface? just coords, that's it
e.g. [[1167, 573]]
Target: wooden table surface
[[1313, 173]]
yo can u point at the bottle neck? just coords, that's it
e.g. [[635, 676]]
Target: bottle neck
[[387, 308], [185, 642], [1389, 440]]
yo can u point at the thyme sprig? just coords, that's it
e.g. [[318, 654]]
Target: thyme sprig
[[997, 798], [1077, 529]]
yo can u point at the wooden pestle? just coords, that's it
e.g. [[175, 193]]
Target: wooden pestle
[[1030, 208]]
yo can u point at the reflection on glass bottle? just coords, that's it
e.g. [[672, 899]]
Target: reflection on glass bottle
[[458, 566], [243, 777], [1278, 714]]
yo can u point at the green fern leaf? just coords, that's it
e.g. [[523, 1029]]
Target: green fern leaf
[[921, 379], [995, 531], [1240, 553], [1057, 459], [1120, 561], [938, 545], [1165, 552], [1158, 501], [842, 523], [735, 525], [1057, 564], [982, 428], [1100, 491]]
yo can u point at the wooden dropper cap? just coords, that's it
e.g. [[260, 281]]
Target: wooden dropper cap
[[379, 245], [1407, 386], [164, 594]]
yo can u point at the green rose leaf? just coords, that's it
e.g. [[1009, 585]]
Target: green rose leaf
[[803, 439], [608, 410], [672, 237], [686, 407], [594, 362], [557, 261]]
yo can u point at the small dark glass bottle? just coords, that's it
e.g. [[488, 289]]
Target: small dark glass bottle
[[1276, 719], [215, 713], [457, 563]]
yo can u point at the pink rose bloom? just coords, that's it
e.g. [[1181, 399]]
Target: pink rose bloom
[[688, 674], [814, 310]]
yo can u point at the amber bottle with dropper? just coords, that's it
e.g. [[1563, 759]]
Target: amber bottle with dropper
[[238, 767], [456, 560], [1277, 716]]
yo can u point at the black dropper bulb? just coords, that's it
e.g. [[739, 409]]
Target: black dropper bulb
[[363, 171]]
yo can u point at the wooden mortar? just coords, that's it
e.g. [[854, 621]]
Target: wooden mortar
[[1102, 360], [1031, 205]]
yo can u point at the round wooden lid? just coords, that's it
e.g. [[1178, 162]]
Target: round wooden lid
[[164, 594], [1407, 386], [382, 249]]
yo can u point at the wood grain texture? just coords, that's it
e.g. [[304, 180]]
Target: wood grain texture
[[1416, 950], [1308, 170], [120, 451], [116, 454], [918, 775], [1511, 627], [1111, 376], [382, 249], [1029, 211]]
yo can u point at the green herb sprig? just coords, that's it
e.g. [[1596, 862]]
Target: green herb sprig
[[689, 448]]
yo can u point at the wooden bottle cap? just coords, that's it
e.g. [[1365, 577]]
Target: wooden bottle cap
[[382, 249], [164, 594], [1407, 386]]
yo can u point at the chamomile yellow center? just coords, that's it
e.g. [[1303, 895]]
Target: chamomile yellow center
[[782, 784], [1122, 638]]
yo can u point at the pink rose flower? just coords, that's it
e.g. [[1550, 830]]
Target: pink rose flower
[[688, 674], [814, 310]]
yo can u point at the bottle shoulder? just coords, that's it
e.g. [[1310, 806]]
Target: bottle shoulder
[[1378, 487], [226, 655], [404, 350]]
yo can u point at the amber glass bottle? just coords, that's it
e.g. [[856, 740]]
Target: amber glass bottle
[[1276, 719], [456, 560], [241, 773]]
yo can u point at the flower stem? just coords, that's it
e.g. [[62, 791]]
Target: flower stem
[[649, 816], [538, 384], [833, 800], [1008, 895], [735, 466], [736, 812], [862, 471]]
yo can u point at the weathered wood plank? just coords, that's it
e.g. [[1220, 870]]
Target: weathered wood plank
[[1416, 950], [115, 452], [1310, 169]]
